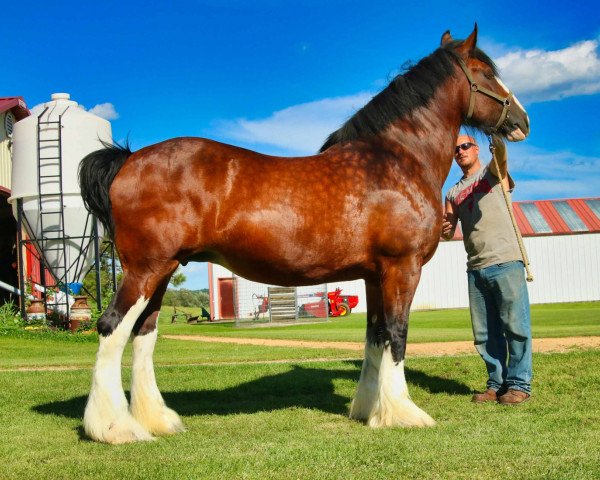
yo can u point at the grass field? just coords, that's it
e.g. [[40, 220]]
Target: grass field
[[249, 417], [548, 320], [288, 421]]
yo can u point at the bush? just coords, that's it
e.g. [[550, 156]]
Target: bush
[[10, 317]]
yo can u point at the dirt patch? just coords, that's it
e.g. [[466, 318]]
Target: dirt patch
[[413, 349]]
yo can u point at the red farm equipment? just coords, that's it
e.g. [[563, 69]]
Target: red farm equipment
[[338, 305]]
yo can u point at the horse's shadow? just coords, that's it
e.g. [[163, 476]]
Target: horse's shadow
[[301, 387]]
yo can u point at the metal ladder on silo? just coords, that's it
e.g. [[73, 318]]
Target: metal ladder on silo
[[49, 174]]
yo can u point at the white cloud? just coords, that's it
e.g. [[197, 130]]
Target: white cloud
[[299, 129], [554, 189], [535, 75], [105, 110], [542, 174], [538, 75]]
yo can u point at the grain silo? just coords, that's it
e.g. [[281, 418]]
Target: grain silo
[[45, 197]]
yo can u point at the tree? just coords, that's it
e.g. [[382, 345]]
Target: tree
[[178, 278]]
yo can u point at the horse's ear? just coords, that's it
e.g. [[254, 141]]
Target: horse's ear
[[446, 38], [468, 46]]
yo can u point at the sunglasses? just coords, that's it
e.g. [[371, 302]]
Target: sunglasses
[[463, 147]]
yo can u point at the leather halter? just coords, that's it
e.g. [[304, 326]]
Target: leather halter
[[505, 101]]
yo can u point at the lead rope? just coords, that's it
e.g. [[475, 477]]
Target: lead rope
[[512, 215]]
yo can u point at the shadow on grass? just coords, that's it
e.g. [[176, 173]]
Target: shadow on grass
[[299, 386]]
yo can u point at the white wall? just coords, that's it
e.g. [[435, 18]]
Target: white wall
[[565, 268]]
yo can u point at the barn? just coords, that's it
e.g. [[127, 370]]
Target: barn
[[562, 238], [12, 109]]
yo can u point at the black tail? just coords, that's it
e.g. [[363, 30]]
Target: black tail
[[96, 174]]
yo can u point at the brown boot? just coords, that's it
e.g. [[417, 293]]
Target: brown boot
[[488, 396], [513, 397]]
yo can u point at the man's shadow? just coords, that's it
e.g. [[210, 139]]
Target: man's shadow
[[300, 386]]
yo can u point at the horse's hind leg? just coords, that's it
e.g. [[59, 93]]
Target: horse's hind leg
[[147, 404], [106, 416], [382, 397]]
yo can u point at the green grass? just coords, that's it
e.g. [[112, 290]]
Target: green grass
[[34, 352], [548, 320], [288, 421], [251, 418]]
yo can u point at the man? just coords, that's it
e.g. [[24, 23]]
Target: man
[[498, 297]]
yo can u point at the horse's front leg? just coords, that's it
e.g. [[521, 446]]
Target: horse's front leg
[[382, 397], [147, 404]]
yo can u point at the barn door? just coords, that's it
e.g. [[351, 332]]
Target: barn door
[[226, 298]]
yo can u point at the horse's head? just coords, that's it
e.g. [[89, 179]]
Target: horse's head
[[491, 107]]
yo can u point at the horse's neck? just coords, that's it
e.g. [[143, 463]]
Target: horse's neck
[[428, 134]]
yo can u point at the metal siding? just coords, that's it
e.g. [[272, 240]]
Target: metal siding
[[522, 222], [594, 205], [554, 220], [570, 216], [5, 160], [586, 214], [565, 268], [443, 280], [534, 216]]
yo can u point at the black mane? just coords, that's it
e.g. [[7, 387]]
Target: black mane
[[405, 93]]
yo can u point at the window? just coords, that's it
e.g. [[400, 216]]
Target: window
[[537, 222]]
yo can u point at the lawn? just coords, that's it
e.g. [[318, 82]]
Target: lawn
[[257, 412], [289, 421], [548, 320]]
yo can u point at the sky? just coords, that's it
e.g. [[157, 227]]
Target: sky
[[279, 76]]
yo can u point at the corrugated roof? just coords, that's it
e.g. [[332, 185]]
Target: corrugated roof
[[16, 104], [555, 217]]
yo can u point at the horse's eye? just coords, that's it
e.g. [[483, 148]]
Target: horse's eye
[[489, 75]]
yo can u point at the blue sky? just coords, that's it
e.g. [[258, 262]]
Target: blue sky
[[279, 76]]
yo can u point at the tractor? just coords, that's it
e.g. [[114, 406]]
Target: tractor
[[338, 305]]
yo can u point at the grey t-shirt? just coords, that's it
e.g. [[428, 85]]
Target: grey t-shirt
[[488, 233]]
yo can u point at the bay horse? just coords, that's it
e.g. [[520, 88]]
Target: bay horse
[[263, 217]]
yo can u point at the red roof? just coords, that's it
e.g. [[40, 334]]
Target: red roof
[[555, 217], [17, 105]]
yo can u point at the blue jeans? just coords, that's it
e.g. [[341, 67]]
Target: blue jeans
[[499, 305]]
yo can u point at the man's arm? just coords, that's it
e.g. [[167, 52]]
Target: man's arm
[[450, 221], [501, 157]]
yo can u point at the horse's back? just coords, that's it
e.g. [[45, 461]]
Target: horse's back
[[308, 216]]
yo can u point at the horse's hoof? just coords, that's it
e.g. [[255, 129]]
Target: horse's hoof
[[401, 414], [124, 429], [162, 422]]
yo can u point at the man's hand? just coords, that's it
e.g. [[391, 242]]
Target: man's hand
[[499, 147], [449, 221], [501, 158], [447, 228]]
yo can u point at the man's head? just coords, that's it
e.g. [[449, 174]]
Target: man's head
[[466, 154]]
